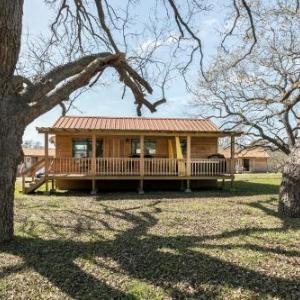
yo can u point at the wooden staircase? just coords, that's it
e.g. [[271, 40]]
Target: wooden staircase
[[30, 180]]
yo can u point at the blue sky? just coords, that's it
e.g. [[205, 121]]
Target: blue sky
[[106, 101]]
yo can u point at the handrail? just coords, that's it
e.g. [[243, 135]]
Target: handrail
[[32, 171], [33, 167]]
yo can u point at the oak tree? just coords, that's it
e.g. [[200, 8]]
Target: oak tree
[[261, 95], [85, 39]]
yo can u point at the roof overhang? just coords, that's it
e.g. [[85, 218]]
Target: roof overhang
[[137, 132]]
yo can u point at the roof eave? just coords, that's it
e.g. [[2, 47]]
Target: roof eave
[[52, 130]]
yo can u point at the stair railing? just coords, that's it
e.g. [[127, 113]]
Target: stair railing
[[31, 172]]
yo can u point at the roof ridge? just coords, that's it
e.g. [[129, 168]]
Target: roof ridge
[[136, 117]]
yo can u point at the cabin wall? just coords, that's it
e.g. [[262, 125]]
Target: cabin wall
[[256, 165], [259, 165], [120, 146], [63, 146], [202, 147]]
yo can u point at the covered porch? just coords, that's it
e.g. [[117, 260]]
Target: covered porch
[[174, 160], [99, 148]]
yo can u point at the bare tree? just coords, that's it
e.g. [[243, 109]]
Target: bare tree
[[261, 94], [86, 39]]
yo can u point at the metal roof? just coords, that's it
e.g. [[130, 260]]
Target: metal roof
[[135, 123], [37, 152], [257, 152]]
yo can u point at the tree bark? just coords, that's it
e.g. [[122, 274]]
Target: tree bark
[[289, 195], [11, 13], [10, 157]]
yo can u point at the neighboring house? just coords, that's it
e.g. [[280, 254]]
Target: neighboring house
[[32, 156], [95, 152], [253, 160]]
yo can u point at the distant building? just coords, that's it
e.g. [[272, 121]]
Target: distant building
[[253, 160], [32, 156]]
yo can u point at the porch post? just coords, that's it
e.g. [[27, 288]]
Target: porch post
[[188, 155], [142, 146], [142, 164], [232, 164], [94, 154], [46, 161], [93, 165]]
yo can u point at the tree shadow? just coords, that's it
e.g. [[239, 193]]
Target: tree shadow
[[287, 222], [240, 188], [164, 261]]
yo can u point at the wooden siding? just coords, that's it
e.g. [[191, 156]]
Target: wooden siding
[[256, 165], [202, 147], [120, 146], [259, 165]]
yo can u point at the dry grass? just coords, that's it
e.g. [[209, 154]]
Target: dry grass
[[205, 245]]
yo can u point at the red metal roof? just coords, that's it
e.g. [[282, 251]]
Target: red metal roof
[[135, 123], [246, 153], [37, 152]]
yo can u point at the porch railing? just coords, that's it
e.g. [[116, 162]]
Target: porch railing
[[117, 166], [134, 166], [208, 167], [161, 166], [70, 165]]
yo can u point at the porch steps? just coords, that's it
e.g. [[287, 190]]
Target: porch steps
[[30, 180], [34, 185]]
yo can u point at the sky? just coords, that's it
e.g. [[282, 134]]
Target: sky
[[106, 101]]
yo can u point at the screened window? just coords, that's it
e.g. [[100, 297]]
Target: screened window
[[83, 148], [149, 147]]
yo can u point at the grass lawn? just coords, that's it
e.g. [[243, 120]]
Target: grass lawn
[[204, 245]]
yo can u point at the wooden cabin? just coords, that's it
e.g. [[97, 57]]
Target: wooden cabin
[[96, 152], [254, 160]]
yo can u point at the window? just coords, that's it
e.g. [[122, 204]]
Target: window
[[83, 148], [135, 147], [149, 146]]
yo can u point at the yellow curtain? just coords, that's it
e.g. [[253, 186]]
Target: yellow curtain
[[170, 149], [179, 156]]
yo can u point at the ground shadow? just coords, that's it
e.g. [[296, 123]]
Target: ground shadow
[[239, 188], [160, 260]]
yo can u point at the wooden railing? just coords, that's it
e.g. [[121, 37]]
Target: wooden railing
[[70, 165], [134, 166], [31, 172], [161, 166], [208, 167], [118, 166]]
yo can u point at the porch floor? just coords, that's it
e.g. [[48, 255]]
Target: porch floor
[[145, 177]]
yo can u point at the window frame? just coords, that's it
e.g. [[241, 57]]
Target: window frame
[[136, 147], [88, 152]]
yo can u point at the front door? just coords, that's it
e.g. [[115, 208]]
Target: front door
[[246, 164]]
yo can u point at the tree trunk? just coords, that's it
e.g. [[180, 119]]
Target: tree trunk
[[10, 157], [289, 196]]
